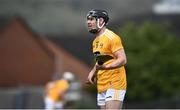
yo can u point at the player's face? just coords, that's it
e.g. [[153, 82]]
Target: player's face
[[91, 23]]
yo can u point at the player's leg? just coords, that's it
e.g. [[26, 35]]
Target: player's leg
[[102, 107], [114, 98], [114, 104], [101, 100]]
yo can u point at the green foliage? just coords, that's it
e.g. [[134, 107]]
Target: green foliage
[[153, 65]]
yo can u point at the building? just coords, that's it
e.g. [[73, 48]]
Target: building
[[30, 59]]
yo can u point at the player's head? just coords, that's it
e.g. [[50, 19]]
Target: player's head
[[68, 76], [96, 19]]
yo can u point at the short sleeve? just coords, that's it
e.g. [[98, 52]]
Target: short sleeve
[[116, 44]]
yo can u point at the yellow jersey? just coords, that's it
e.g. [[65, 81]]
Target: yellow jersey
[[55, 88], [108, 43]]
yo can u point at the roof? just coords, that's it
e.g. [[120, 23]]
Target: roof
[[16, 33]]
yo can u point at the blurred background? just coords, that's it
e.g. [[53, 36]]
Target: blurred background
[[42, 38]]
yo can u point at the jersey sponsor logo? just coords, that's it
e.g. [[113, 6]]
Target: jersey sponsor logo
[[98, 45], [101, 45]]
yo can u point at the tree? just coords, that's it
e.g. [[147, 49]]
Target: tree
[[153, 55]]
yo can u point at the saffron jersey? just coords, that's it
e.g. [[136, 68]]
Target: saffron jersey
[[54, 89], [108, 43]]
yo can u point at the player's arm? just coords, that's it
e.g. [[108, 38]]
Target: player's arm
[[120, 61], [91, 76], [47, 88]]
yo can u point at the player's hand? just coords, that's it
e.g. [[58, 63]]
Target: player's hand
[[101, 58], [100, 67]]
